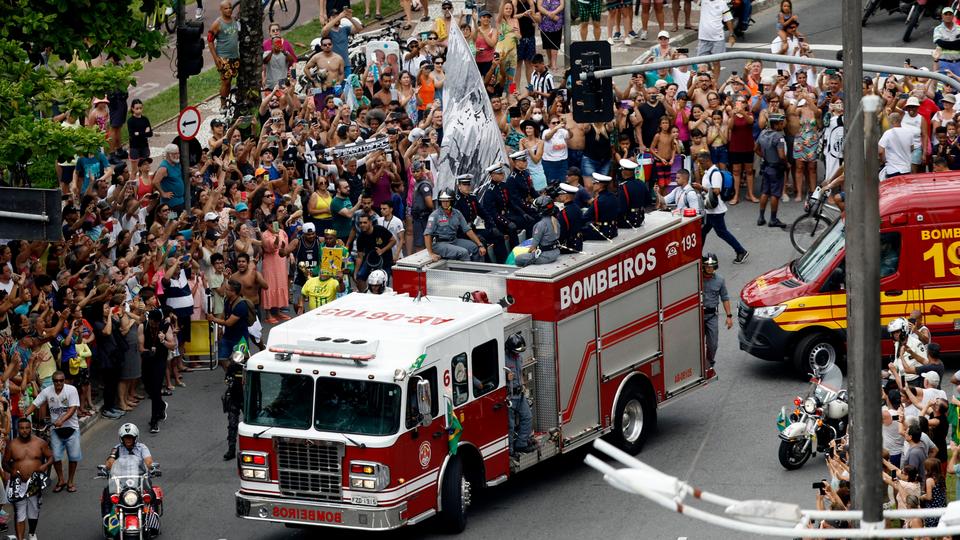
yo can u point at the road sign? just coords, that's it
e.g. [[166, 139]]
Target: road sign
[[188, 124]]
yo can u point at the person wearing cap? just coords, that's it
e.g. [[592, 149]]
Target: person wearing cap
[[570, 218], [921, 136], [496, 203], [602, 214], [168, 179], [946, 36], [443, 228], [305, 249], [712, 181], [442, 24], [423, 203], [521, 191], [896, 147], [787, 45], [544, 243], [320, 289], [575, 178], [634, 196], [771, 146], [683, 196], [469, 205]]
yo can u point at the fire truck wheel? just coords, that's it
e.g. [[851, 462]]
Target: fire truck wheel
[[454, 497], [633, 420], [818, 348]]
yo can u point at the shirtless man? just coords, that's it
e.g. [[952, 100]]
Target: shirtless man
[[251, 281], [27, 461], [326, 59], [701, 88], [576, 141]]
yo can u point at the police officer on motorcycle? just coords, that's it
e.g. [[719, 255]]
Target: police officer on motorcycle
[[519, 406], [545, 246], [469, 205], [233, 401], [714, 295], [130, 444]]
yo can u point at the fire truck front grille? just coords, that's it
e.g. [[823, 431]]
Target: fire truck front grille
[[310, 468], [744, 313]]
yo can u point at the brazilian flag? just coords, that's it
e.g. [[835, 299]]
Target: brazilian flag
[[454, 430], [953, 415]]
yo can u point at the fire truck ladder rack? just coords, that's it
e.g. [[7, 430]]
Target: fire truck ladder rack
[[357, 350]]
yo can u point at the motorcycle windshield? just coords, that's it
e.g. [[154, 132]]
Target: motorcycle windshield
[[127, 471], [832, 378]]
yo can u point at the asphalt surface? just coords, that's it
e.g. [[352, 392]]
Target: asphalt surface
[[722, 438]]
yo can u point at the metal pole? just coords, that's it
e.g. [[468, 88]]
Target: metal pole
[[766, 57], [184, 147], [566, 33], [863, 277]]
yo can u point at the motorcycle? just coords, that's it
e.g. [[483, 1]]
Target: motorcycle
[[136, 504], [913, 9], [818, 418]]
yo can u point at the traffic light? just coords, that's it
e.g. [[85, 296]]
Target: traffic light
[[190, 47], [592, 99]]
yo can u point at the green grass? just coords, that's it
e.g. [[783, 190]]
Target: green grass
[[166, 104]]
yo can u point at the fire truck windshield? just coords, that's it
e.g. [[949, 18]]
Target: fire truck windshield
[[278, 400], [821, 255], [358, 407]]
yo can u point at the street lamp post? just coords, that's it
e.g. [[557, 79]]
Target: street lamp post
[[863, 277]]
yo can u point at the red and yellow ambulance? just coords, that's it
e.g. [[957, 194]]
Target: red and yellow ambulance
[[798, 312]]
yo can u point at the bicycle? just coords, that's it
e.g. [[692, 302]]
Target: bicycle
[[283, 12], [807, 228], [163, 15]]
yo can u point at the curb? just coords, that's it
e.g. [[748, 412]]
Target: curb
[[690, 36]]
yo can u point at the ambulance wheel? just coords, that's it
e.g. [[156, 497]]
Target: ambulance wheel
[[454, 497], [632, 421], [815, 349]]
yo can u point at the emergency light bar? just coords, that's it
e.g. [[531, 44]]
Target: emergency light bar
[[340, 349]]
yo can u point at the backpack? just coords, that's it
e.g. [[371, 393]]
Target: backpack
[[726, 188]]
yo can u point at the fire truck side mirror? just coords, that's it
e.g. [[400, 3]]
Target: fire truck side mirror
[[424, 402]]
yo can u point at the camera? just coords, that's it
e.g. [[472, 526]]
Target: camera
[[683, 50]]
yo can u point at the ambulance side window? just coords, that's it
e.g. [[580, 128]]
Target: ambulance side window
[[889, 253], [486, 370], [412, 414], [461, 383]]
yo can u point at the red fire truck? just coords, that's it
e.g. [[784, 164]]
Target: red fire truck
[[375, 412]]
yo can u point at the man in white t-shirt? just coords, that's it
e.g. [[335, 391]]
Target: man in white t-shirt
[[896, 146], [393, 224], [790, 47], [63, 401], [715, 16], [714, 217]]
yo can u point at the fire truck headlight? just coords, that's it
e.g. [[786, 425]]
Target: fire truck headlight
[[369, 476], [254, 466], [769, 312]]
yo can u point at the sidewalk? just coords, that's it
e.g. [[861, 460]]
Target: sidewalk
[[157, 74]]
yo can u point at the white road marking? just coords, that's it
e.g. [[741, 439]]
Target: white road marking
[[829, 47]]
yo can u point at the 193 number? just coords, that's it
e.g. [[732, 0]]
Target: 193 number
[[689, 241], [936, 253]]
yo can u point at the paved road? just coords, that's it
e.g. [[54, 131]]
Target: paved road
[[722, 438]]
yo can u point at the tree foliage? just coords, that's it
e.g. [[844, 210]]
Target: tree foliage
[[31, 93]]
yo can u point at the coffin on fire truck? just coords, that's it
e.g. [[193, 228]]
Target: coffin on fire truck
[[346, 414]]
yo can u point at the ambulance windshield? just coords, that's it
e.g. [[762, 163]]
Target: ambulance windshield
[[821, 255], [278, 400], [358, 407]]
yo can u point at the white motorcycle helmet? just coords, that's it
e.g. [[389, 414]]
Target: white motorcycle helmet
[[315, 44], [897, 325], [378, 279], [129, 430]]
